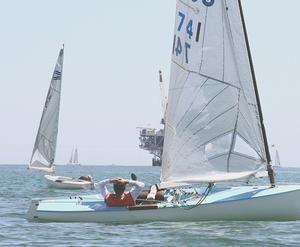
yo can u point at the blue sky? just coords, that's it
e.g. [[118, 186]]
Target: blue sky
[[113, 51]]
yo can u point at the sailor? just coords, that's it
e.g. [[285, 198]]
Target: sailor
[[88, 178], [120, 198]]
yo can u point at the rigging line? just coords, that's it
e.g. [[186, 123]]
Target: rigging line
[[190, 106], [234, 131], [202, 198], [203, 75]]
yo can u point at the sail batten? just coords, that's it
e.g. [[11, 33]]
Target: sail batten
[[43, 154], [213, 126]]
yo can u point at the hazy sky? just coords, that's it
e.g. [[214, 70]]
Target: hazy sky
[[113, 51]]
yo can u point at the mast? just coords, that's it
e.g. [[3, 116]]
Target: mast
[[269, 166]]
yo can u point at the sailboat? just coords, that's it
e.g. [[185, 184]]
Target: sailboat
[[214, 133], [277, 159], [74, 158], [43, 154]]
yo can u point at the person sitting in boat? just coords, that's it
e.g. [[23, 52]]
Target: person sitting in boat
[[88, 178], [120, 198]]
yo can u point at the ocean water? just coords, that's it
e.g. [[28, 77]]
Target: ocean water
[[18, 186]]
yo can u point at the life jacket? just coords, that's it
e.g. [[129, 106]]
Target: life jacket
[[126, 199]]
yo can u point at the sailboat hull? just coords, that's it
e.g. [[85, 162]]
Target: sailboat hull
[[240, 203], [60, 182]]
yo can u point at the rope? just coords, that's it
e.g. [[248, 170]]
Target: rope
[[202, 198]]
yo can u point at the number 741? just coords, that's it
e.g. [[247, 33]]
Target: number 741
[[178, 49]]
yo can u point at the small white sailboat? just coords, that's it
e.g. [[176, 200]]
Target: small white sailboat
[[43, 154], [214, 133], [277, 159], [74, 158]]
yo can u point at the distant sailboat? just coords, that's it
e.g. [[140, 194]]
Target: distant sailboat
[[43, 154], [74, 158], [277, 159]]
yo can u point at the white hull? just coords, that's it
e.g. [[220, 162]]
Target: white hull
[[243, 203], [60, 182]]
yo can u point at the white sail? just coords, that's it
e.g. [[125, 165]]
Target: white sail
[[75, 159], [43, 154], [213, 132], [71, 158], [277, 159]]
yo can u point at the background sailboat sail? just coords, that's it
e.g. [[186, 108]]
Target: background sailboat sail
[[43, 153], [214, 126], [75, 160], [71, 158], [74, 157]]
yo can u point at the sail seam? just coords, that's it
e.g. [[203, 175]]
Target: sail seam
[[234, 131], [190, 106], [185, 4], [246, 141], [215, 118], [217, 137], [249, 127], [209, 141], [208, 103], [203, 75], [190, 137]]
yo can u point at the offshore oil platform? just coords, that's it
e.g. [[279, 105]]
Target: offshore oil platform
[[152, 140]]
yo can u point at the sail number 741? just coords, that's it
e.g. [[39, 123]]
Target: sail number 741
[[185, 25]]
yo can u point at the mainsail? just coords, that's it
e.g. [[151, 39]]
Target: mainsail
[[43, 154], [214, 129], [74, 157], [75, 160], [71, 158]]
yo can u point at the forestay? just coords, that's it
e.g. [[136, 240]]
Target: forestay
[[43, 154], [213, 132]]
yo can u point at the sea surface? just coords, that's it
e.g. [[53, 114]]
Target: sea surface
[[18, 186]]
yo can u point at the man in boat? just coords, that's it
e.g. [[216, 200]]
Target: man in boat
[[120, 198], [88, 178]]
